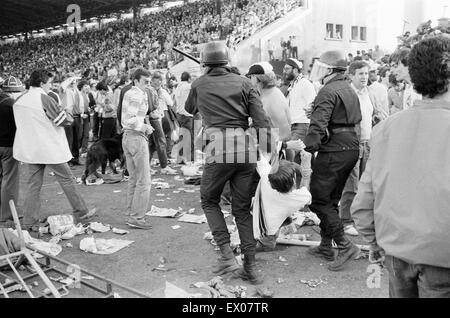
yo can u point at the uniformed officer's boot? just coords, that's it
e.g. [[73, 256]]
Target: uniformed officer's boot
[[324, 250], [227, 262], [346, 252], [249, 271]]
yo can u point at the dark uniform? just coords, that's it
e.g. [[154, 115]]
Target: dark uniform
[[226, 100], [333, 133]]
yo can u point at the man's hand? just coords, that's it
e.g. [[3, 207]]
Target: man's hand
[[296, 145], [376, 254], [148, 129]]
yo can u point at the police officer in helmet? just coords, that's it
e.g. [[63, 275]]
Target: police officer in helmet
[[333, 133], [226, 101]]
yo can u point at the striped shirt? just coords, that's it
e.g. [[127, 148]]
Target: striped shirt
[[134, 110]]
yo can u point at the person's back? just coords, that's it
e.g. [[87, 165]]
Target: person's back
[[277, 109], [401, 208], [7, 124]]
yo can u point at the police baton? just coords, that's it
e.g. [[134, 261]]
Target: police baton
[[187, 55]]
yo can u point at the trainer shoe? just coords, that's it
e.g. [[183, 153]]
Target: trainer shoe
[[350, 230], [142, 224], [168, 170]]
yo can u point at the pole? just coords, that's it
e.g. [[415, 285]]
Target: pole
[[134, 15]]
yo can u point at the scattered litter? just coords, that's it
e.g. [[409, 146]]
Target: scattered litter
[[51, 173], [218, 289], [191, 211], [160, 195], [116, 295], [189, 191], [280, 280], [313, 283], [163, 212], [36, 284], [306, 218], [180, 189], [190, 218], [176, 191], [56, 279], [69, 245], [120, 231], [55, 239], [117, 191], [191, 170], [239, 260], [158, 180], [43, 230], [103, 246], [176, 227], [172, 291], [282, 259], [264, 292], [59, 193], [59, 224], [161, 185], [73, 231], [178, 178], [78, 180], [99, 227], [98, 181], [159, 200]]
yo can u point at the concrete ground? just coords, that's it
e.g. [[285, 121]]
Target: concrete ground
[[190, 257]]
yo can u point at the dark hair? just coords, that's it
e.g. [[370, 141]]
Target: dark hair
[[400, 55], [185, 77], [282, 180], [383, 71], [429, 66], [39, 76], [101, 86], [140, 72], [82, 83], [393, 79], [357, 58], [356, 65]]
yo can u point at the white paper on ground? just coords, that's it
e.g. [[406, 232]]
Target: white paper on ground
[[59, 224], [163, 212], [172, 291], [120, 231], [103, 246], [190, 218], [99, 227], [46, 247]]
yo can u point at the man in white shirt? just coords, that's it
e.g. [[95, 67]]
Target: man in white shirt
[[301, 95], [167, 120], [379, 94], [359, 75], [185, 119]]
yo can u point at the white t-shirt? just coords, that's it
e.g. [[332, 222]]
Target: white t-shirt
[[301, 96], [366, 112]]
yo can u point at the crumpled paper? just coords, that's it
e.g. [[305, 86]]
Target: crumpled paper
[[103, 246], [218, 289], [306, 218], [172, 291], [99, 227], [191, 218], [191, 170], [46, 247], [163, 212]]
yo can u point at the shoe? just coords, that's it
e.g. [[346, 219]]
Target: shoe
[[350, 230], [226, 263], [84, 218], [98, 181], [261, 248], [324, 252], [142, 224], [168, 170], [249, 271], [346, 252]]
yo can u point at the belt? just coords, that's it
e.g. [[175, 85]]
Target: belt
[[342, 129]]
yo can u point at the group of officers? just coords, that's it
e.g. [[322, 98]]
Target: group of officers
[[227, 100]]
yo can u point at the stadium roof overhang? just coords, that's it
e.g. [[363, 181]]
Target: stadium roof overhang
[[18, 16]]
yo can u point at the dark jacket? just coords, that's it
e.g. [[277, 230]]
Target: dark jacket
[[7, 123], [227, 100], [336, 106]]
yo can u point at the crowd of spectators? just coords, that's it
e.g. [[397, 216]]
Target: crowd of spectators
[[116, 47]]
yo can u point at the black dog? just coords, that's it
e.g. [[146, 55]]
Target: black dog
[[100, 153]]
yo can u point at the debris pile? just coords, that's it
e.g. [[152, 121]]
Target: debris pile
[[217, 289]]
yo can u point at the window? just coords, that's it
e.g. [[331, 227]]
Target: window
[[355, 33], [363, 34], [339, 31], [359, 33], [330, 31]]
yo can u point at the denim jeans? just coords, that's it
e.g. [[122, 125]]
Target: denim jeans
[[9, 182], [85, 127], [242, 183], [417, 281], [135, 148], [64, 176], [73, 134], [186, 129], [168, 126], [351, 186], [157, 142]]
